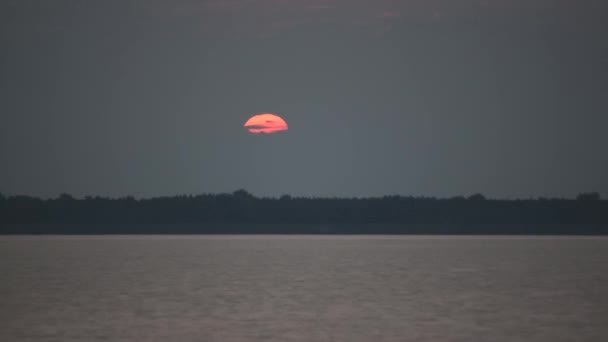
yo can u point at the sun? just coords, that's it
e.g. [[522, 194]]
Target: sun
[[266, 123]]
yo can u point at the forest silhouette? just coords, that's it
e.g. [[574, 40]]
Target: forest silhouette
[[242, 213]]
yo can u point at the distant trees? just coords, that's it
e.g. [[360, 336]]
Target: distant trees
[[242, 194], [588, 196], [335, 214], [65, 197], [477, 197]]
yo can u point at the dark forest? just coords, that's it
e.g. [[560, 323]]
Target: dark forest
[[242, 213]]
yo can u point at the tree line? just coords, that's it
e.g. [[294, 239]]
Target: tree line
[[241, 212]]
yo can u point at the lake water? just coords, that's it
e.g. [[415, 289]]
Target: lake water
[[303, 288]]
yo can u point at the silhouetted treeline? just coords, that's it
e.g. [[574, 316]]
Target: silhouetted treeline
[[240, 212]]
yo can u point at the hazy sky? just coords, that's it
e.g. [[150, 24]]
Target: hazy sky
[[418, 97]]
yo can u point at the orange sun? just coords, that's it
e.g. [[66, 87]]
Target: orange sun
[[266, 123]]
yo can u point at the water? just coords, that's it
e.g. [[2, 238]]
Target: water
[[303, 288]]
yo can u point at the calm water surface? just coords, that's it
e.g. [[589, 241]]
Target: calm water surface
[[303, 288]]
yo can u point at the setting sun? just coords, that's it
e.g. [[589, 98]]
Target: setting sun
[[265, 123]]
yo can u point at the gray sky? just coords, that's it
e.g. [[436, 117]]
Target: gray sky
[[438, 98]]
